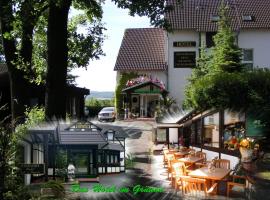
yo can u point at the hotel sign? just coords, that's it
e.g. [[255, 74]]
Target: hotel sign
[[184, 59], [32, 168], [184, 44]]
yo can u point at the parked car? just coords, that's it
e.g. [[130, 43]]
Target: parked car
[[107, 113]]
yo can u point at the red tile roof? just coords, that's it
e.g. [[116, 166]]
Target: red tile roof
[[142, 49], [196, 14]]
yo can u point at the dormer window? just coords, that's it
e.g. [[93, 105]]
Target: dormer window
[[247, 18], [110, 135], [215, 18]]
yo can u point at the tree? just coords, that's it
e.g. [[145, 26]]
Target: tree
[[212, 70], [24, 18], [31, 18], [57, 38], [56, 41], [226, 53]]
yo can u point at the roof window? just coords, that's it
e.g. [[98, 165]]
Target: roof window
[[247, 18], [215, 18]]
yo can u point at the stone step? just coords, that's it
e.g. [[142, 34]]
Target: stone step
[[88, 179]]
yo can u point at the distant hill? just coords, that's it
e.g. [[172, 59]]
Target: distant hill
[[100, 95]]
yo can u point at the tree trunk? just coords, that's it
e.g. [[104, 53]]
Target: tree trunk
[[18, 85], [55, 100], [29, 18]]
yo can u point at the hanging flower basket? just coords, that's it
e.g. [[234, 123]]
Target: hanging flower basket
[[246, 154]]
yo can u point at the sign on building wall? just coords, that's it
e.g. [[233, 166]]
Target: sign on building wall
[[184, 44], [184, 59], [32, 168]]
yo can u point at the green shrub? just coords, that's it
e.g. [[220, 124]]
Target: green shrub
[[118, 91], [57, 187]]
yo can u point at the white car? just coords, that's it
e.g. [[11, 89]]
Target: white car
[[107, 113]]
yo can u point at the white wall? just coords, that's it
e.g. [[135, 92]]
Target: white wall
[[173, 135], [196, 148], [177, 77], [259, 41], [210, 154]]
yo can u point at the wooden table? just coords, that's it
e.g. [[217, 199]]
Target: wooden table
[[180, 154], [190, 160], [217, 175]]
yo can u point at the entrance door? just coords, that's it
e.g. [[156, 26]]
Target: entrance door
[[85, 163], [81, 161]]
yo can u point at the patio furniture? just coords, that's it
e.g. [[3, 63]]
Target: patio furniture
[[180, 154], [167, 155], [165, 151], [171, 161], [190, 160], [196, 186], [192, 152], [179, 169], [202, 163], [218, 174], [237, 181], [222, 163]]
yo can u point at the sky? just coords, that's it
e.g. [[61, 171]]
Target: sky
[[99, 75]]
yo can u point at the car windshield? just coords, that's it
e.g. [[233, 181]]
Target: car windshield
[[108, 109]]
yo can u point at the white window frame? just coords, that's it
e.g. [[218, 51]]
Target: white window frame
[[248, 61]]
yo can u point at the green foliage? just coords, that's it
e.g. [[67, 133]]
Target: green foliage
[[226, 53], [95, 105], [33, 116], [57, 187], [215, 91], [209, 86], [129, 161], [167, 106], [203, 65], [11, 177], [93, 102], [61, 163], [155, 10], [82, 47], [124, 77]]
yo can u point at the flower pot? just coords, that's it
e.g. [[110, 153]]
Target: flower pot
[[246, 154]]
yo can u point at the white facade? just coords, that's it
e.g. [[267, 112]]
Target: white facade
[[259, 41], [177, 77], [256, 40]]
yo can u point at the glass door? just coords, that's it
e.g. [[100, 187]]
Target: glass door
[[81, 161]]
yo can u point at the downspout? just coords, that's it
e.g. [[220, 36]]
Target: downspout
[[168, 62]]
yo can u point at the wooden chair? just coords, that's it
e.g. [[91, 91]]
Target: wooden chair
[[222, 163], [179, 169], [233, 183], [196, 186], [192, 152], [165, 152], [202, 163], [171, 161]]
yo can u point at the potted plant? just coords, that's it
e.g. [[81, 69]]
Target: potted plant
[[247, 146]]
